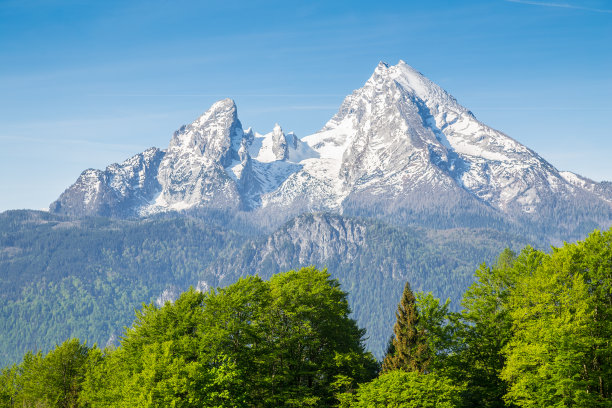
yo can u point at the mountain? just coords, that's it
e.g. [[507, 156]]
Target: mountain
[[399, 147], [64, 277]]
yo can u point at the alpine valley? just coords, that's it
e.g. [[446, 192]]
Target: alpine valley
[[402, 183]]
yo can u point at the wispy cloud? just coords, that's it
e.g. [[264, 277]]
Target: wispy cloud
[[560, 5], [89, 122]]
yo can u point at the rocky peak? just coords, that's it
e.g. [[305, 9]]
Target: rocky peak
[[383, 128], [215, 136], [412, 81], [281, 143]]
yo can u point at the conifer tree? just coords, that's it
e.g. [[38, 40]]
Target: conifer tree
[[408, 350]]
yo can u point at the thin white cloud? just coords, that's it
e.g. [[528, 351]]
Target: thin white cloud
[[92, 121], [559, 5]]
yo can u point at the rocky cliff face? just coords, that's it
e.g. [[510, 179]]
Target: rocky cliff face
[[120, 190], [315, 237], [193, 171], [400, 143]]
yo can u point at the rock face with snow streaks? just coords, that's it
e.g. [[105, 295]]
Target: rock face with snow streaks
[[120, 190], [398, 143], [401, 133], [193, 171]]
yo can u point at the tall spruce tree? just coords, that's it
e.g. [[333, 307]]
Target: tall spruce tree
[[408, 350]]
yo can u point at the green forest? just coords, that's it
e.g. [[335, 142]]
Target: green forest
[[534, 331], [62, 278]]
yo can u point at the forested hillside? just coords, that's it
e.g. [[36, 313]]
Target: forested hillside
[[61, 277], [84, 278]]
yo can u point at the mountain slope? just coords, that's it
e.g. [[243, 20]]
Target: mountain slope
[[61, 277], [372, 261], [402, 183]]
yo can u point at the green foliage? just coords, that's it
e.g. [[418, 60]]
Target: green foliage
[[399, 388], [535, 329], [9, 386], [561, 309], [64, 278], [440, 329], [534, 332], [484, 330], [53, 380], [410, 351], [285, 342]]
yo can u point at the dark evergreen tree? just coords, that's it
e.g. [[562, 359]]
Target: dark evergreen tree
[[409, 349], [390, 350]]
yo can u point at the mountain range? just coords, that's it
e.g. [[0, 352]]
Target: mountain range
[[398, 148], [402, 183]]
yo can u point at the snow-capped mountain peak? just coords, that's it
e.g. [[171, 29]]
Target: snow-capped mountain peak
[[401, 131], [398, 141], [215, 136], [413, 81]]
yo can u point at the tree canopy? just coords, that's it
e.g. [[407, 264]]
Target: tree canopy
[[560, 352], [534, 331], [288, 341]]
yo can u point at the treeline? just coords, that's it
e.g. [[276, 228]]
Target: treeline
[[374, 268], [535, 331]]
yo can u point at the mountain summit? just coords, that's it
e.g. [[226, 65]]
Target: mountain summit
[[399, 145]]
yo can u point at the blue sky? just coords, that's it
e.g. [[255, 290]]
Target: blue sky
[[85, 84]]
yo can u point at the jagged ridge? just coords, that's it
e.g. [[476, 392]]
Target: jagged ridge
[[400, 142]]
